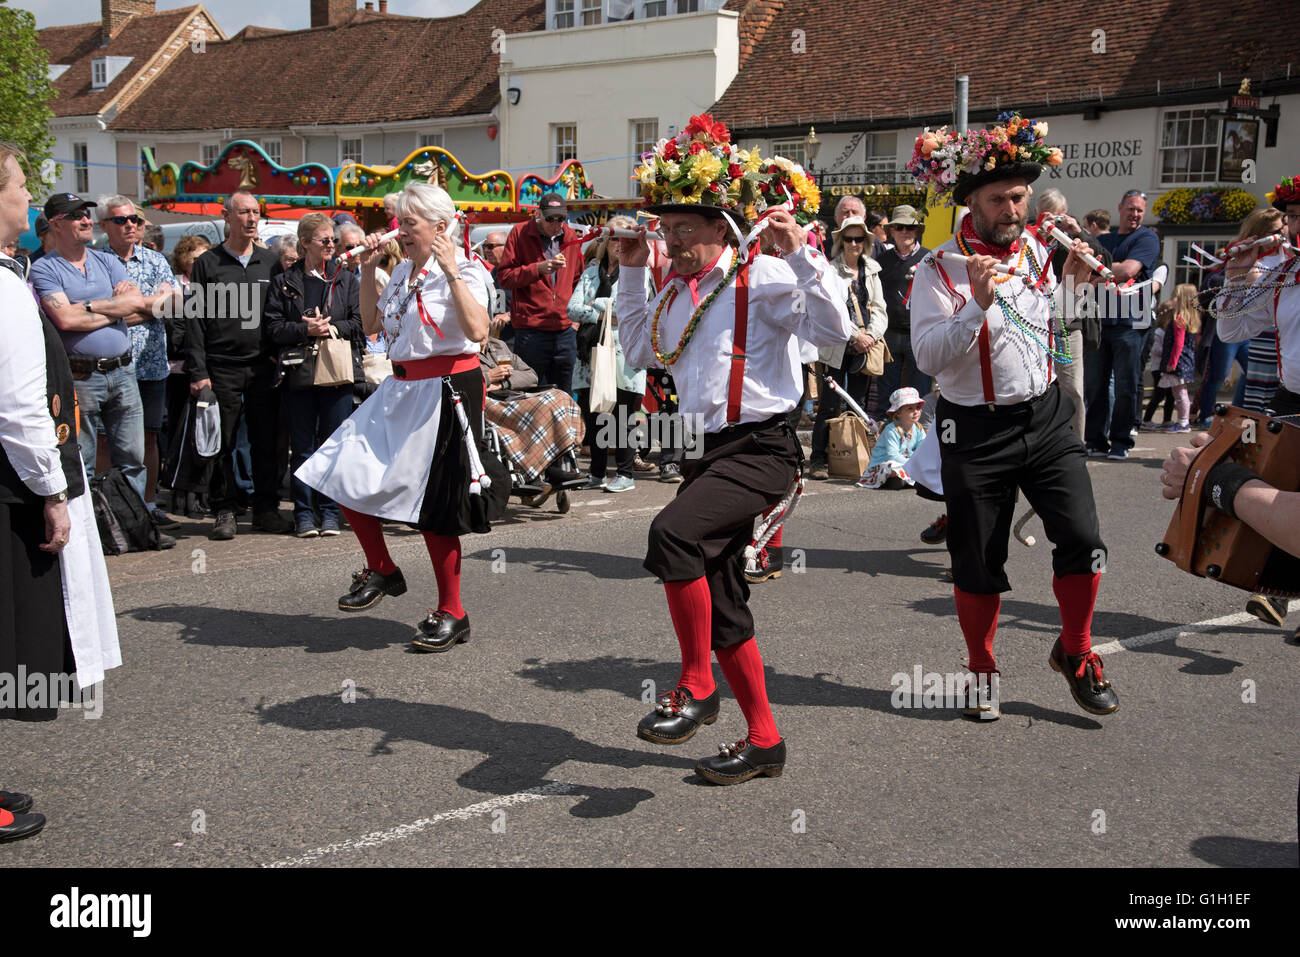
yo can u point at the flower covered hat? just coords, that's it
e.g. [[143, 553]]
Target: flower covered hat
[[956, 164], [1286, 193], [701, 171], [789, 181]]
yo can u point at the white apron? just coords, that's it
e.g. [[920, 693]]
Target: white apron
[[87, 601], [924, 467]]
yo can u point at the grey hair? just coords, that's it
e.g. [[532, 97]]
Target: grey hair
[[847, 199], [1051, 201], [430, 203], [108, 202], [229, 204], [390, 198], [348, 227], [282, 242]]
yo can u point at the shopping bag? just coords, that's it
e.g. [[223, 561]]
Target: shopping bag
[[604, 368]]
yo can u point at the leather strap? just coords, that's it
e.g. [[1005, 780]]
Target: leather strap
[[736, 385], [1191, 506]]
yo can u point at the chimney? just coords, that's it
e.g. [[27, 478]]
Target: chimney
[[370, 6], [116, 13], [326, 13], [383, 6]]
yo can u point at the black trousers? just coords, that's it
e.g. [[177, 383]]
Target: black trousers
[[248, 388], [702, 532], [992, 453], [1285, 402]]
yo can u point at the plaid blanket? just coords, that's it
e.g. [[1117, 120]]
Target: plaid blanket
[[535, 428]]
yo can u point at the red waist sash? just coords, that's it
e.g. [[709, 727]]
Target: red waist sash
[[434, 366]]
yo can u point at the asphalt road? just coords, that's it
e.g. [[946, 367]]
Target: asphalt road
[[229, 736]]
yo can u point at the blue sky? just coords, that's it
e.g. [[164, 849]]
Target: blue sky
[[232, 15]]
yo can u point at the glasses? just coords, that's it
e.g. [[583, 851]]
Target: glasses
[[555, 219], [856, 240], [681, 232], [493, 245], [325, 242], [123, 220], [1134, 192], [902, 227], [75, 217]]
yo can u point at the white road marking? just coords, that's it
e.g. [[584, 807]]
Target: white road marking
[[1177, 631], [375, 838]]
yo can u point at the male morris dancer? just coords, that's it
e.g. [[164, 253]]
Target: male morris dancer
[[726, 325], [1002, 420]]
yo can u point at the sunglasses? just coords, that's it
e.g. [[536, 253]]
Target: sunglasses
[[856, 240], [492, 245], [325, 242], [555, 219], [1134, 192], [75, 217], [902, 227], [123, 220]]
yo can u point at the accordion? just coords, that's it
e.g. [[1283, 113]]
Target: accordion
[[1206, 542]]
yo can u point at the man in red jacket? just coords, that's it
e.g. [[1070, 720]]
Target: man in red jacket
[[541, 273]]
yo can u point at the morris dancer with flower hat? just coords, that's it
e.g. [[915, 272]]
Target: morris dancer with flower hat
[[726, 323], [992, 340]]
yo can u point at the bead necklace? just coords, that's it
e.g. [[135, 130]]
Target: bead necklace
[[1060, 355], [967, 250], [667, 301]]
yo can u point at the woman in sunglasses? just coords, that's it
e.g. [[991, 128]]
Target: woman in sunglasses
[[309, 302], [866, 304]]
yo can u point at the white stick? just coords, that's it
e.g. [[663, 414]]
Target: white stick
[[1002, 268], [358, 250], [478, 478], [1207, 254], [1265, 244], [1055, 232]]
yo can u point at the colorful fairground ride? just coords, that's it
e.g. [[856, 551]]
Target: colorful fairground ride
[[291, 192]]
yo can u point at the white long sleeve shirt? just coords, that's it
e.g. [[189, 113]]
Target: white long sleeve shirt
[[946, 322], [26, 427], [1280, 306], [794, 298]]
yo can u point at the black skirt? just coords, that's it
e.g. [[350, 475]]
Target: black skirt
[[448, 507], [33, 625]]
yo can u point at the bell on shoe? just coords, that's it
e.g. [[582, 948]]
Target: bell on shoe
[[369, 587], [440, 631], [1083, 673], [768, 563], [677, 716], [981, 696], [741, 761]]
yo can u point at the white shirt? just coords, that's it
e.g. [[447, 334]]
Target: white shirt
[[408, 337], [26, 428], [1269, 307], [791, 298], [946, 325]]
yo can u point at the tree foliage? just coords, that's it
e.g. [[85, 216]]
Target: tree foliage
[[25, 95]]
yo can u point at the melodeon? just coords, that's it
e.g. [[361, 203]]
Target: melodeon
[[1206, 542]]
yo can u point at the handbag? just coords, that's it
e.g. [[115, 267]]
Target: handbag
[[588, 336], [333, 361], [604, 368], [377, 367], [848, 446], [877, 357]]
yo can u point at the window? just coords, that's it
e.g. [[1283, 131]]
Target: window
[[882, 154], [563, 18], [81, 167], [1189, 147], [792, 150], [591, 12], [655, 8], [565, 138], [690, 6], [430, 139], [98, 74], [1185, 271], [645, 133], [208, 153], [272, 150], [349, 150]]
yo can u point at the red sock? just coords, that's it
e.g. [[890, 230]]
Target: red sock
[[743, 667], [978, 617], [691, 608], [775, 540], [1076, 595], [444, 552], [370, 533]]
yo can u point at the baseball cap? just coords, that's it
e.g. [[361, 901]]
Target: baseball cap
[[60, 204], [553, 201]]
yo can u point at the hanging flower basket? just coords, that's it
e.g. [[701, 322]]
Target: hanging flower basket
[[1192, 204]]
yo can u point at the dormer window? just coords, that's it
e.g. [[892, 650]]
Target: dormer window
[[104, 70], [567, 14]]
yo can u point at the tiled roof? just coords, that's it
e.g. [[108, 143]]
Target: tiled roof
[[371, 67], [755, 17], [895, 59], [76, 46]]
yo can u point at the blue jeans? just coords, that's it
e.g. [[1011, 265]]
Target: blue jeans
[[1222, 356], [552, 355], [314, 414], [1120, 353], [900, 347], [111, 401]]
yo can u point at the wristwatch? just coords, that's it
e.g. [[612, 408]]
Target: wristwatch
[[86, 304], [454, 276], [57, 497]]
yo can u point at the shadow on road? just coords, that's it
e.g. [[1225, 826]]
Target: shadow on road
[[1224, 851], [627, 676], [597, 564], [520, 755], [223, 628], [1045, 620]]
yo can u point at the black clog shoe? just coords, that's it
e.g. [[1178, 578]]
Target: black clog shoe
[[15, 802], [440, 632], [677, 716], [1083, 673], [369, 587], [741, 761], [22, 825]]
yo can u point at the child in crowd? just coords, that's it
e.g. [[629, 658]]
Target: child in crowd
[[1158, 394], [897, 442], [1181, 318]]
